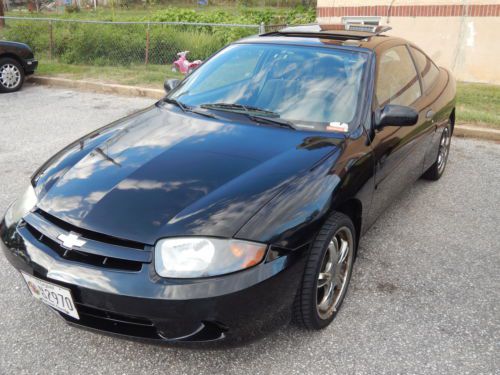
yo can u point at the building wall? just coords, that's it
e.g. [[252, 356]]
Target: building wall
[[462, 35]]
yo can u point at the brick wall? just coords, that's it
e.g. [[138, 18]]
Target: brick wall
[[462, 35], [472, 10]]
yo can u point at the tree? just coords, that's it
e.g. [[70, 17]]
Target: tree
[[2, 21]]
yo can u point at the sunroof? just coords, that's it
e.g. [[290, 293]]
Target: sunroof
[[350, 31]]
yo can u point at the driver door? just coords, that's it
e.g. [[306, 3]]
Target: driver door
[[399, 150]]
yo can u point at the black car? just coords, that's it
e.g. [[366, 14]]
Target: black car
[[16, 62], [238, 200]]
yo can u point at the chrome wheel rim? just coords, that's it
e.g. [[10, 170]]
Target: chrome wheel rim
[[334, 273], [444, 148], [10, 76]]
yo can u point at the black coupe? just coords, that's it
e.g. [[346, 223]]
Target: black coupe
[[238, 200]]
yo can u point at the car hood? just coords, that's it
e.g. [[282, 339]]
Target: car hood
[[163, 173]]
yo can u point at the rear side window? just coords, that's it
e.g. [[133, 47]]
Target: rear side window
[[426, 67], [397, 80]]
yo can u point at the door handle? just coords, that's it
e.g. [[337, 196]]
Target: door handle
[[430, 114]]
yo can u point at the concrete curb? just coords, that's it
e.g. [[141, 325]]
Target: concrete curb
[[104, 88], [470, 131], [466, 131]]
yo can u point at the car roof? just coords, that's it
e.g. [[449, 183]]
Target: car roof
[[315, 34]]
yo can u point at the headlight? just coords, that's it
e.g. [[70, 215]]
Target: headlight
[[190, 257], [21, 207]]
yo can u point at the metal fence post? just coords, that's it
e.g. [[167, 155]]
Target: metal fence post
[[146, 58], [51, 40], [262, 28]]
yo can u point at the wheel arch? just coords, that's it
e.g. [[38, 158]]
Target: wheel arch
[[13, 56], [353, 208]]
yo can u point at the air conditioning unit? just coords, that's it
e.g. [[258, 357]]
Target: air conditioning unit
[[368, 20]]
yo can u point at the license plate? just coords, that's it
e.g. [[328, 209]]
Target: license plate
[[53, 295]]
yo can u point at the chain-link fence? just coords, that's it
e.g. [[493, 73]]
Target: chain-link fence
[[122, 43]]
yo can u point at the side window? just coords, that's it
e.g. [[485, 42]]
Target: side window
[[397, 80], [426, 67]]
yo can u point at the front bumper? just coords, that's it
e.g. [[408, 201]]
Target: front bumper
[[142, 305], [30, 66]]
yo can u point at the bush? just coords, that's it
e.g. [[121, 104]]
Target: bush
[[103, 44], [35, 34], [72, 9], [166, 41], [111, 44], [123, 44]]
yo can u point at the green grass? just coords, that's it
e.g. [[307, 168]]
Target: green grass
[[478, 104], [151, 76]]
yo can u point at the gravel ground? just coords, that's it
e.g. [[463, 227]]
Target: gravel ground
[[424, 297]]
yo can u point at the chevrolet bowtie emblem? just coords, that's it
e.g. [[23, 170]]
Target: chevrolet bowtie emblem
[[69, 241]]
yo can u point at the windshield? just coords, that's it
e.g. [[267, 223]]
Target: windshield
[[311, 88]]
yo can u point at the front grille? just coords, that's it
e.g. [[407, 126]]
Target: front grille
[[98, 249], [83, 257], [89, 234], [104, 314], [112, 322], [139, 327]]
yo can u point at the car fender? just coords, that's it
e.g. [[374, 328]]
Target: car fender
[[294, 216]]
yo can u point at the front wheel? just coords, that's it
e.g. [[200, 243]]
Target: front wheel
[[436, 170], [11, 75], [327, 274]]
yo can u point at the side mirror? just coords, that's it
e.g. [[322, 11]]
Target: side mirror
[[170, 84], [395, 115]]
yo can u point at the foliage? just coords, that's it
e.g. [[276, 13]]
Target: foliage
[[125, 44], [297, 15], [72, 9]]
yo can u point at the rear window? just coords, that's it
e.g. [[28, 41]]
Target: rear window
[[427, 69]]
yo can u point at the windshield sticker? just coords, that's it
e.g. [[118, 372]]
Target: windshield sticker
[[337, 127]]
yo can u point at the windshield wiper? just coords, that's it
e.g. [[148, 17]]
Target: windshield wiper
[[263, 116], [186, 108], [232, 107]]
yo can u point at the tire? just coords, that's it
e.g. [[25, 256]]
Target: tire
[[311, 309], [11, 75], [436, 170]]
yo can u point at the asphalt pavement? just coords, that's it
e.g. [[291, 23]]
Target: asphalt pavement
[[424, 296]]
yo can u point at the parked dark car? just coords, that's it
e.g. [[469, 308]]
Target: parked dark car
[[16, 62], [238, 200]]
